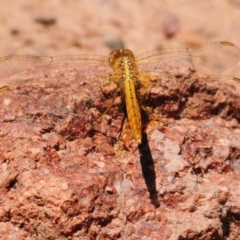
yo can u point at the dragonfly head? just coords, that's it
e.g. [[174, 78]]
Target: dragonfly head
[[121, 53]]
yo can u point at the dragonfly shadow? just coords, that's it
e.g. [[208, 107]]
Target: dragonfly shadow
[[148, 169]]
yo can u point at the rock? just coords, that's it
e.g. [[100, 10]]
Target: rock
[[68, 173]]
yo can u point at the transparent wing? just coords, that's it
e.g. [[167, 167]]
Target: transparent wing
[[37, 65], [211, 58]]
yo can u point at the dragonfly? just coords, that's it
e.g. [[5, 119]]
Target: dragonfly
[[127, 71]]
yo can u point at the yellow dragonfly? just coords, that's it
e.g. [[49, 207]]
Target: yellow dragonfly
[[126, 70]]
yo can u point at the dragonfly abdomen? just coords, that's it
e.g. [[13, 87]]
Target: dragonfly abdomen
[[125, 72], [133, 109]]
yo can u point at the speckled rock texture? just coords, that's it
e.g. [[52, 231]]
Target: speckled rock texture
[[69, 165]]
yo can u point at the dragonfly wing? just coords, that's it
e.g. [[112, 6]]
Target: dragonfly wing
[[215, 57], [89, 66], [211, 58]]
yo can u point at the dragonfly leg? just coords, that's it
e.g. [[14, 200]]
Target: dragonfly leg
[[4, 88], [112, 91]]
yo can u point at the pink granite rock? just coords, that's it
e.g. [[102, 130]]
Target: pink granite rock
[[69, 171]]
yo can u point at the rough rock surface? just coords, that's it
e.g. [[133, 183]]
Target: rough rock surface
[[70, 167], [70, 171]]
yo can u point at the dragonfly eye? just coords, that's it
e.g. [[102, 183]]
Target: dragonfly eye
[[118, 54], [123, 52], [113, 56]]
